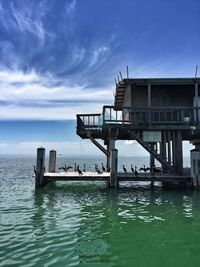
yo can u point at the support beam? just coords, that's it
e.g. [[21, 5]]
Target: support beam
[[174, 160], [163, 148], [97, 144], [113, 170], [195, 165], [152, 158], [110, 146], [156, 156], [179, 152], [149, 95], [169, 147]]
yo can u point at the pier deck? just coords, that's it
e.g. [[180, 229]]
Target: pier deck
[[93, 176]]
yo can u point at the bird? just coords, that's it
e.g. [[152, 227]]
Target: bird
[[124, 168], [132, 168], [65, 168], [144, 169], [97, 169], [136, 172], [103, 168], [34, 168], [68, 167], [78, 170], [84, 168]]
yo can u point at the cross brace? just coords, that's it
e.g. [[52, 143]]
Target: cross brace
[[153, 153]]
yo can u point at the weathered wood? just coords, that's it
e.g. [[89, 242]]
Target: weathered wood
[[97, 144], [195, 166], [40, 168], [113, 168], [52, 161], [121, 176]]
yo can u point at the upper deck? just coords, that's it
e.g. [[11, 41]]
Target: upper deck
[[186, 119]]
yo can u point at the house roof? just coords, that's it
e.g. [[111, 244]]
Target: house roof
[[120, 87]]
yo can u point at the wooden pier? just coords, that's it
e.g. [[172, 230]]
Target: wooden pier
[[121, 177], [112, 178]]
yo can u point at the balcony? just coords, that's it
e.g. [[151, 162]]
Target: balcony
[[138, 117]]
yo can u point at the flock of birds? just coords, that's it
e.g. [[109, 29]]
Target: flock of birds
[[102, 169]]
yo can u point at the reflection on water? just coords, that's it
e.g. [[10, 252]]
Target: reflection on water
[[79, 224]]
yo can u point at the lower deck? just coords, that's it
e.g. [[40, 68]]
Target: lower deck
[[121, 177]]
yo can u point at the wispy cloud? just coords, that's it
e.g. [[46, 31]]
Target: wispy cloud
[[32, 96], [24, 19], [70, 8]]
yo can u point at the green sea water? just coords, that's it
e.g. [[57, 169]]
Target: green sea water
[[77, 224]]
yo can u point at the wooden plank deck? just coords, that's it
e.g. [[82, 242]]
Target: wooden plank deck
[[93, 176]]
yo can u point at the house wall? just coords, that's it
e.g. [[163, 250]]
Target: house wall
[[161, 95]]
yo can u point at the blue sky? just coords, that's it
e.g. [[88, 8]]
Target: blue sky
[[60, 58]]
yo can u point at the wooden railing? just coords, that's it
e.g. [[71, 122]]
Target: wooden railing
[[157, 115], [89, 121], [139, 116]]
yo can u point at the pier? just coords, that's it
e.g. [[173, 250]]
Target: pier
[[159, 114]]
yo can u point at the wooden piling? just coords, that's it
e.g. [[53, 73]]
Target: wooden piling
[[40, 168], [52, 161], [113, 171], [195, 166]]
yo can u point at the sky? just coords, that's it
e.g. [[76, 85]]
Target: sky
[[59, 58]]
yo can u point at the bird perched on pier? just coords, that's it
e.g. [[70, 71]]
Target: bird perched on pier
[[84, 168], [97, 169], [34, 169], [103, 168], [144, 169], [65, 168], [135, 171], [78, 170], [124, 169], [132, 168]]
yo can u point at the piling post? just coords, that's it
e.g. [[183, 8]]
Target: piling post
[[52, 161], [113, 170], [195, 166], [40, 168], [110, 146]]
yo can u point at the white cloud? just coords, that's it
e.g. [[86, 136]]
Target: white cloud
[[18, 112], [8, 76], [26, 19], [98, 55], [70, 8], [32, 96]]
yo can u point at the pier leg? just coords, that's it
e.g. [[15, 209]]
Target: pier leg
[[169, 147], [113, 171], [163, 149], [174, 159], [195, 166], [179, 153], [152, 159], [40, 168], [52, 161], [110, 146]]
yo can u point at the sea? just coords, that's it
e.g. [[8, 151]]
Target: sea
[[85, 224]]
